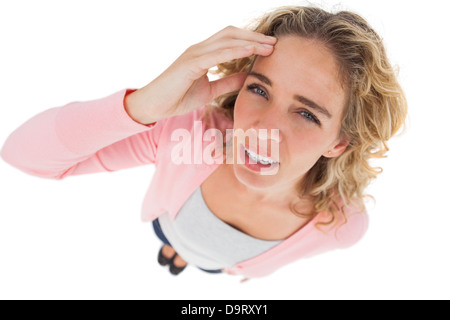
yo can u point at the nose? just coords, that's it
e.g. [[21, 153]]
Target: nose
[[268, 125]]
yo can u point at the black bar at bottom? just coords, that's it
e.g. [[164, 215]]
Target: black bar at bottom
[[227, 309]]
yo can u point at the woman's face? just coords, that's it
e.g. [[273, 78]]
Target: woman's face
[[297, 91]]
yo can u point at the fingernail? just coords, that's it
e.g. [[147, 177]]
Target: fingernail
[[267, 46], [271, 38]]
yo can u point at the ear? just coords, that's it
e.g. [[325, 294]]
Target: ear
[[337, 149]]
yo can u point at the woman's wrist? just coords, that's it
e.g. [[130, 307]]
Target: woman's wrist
[[136, 109]]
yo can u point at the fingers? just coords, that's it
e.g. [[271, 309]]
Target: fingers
[[228, 44], [232, 37], [203, 63], [241, 34], [222, 44], [227, 84]]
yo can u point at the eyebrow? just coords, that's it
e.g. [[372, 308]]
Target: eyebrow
[[299, 98]]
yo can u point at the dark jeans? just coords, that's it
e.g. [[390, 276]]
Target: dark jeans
[[162, 237]]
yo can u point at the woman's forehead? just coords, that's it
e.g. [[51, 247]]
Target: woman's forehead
[[303, 66]]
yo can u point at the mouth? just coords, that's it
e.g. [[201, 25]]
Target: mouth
[[255, 162], [259, 158]]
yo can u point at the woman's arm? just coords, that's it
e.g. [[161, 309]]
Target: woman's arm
[[85, 137], [82, 137]]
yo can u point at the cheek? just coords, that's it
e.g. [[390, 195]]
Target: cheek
[[306, 146], [241, 109], [306, 143]]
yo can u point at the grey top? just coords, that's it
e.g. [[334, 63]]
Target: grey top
[[203, 240]]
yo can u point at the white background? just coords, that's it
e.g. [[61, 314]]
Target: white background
[[82, 237]]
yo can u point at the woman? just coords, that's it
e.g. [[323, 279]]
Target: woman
[[320, 83]]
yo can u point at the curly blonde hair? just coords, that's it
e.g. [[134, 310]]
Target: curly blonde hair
[[375, 110]]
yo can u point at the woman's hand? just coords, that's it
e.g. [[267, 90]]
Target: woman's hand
[[184, 86]]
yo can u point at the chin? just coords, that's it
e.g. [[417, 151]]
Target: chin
[[252, 179]]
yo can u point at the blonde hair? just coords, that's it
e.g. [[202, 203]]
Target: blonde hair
[[375, 110]]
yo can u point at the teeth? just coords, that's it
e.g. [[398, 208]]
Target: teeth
[[258, 158]]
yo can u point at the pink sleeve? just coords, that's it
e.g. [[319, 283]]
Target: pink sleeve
[[80, 138], [354, 230]]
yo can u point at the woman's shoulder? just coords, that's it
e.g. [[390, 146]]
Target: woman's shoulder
[[349, 225], [355, 225]]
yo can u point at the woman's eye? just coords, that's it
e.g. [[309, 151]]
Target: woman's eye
[[256, 89], [305, 114], [309, 117]]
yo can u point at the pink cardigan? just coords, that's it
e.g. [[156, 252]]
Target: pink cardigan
[[99, 135]]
